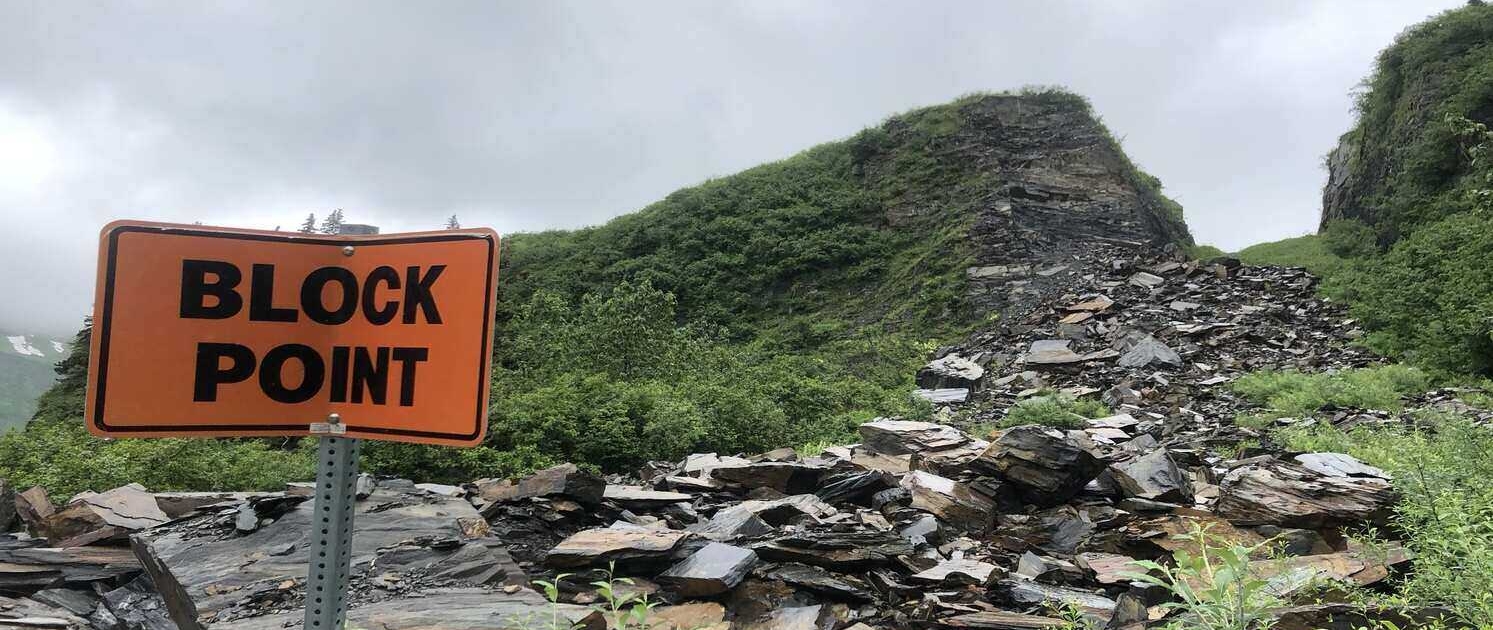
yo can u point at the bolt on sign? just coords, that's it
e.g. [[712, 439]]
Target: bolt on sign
[[213, 332]]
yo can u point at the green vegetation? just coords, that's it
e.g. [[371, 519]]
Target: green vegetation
[[1054, 410], [1302, 251], [1409, 228], [1300, 394], [1204, 252], [1445, 479], [1440, 467], [1214, 589]]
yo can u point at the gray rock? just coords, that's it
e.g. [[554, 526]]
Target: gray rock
[[954, 503], [563, 480], [714, 569], [190, 573], [903, 437], [637, 497], [843, 551], [443, 609], [1153, 476], [950, 372], [1042, 465], [818, 580], [1338, 465], [785, 477], [598, 547], [943, 396], [1147, 351], [958, 572], [1295, 497]]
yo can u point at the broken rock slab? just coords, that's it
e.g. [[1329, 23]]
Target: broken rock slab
[[111, 515], [1147, 351], [714, 569], [841, 551], [563, 480], [959, 572], [785, 477], [1043, 465], [1291, 496], [599, 547], [904, 437], [1153, 476], [1338, 465], [26, 568], [950, 372], [955, 503]]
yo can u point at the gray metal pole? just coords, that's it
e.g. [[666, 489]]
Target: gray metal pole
[[330, 556]]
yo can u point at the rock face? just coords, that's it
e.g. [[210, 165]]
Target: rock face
[[1042, 465]]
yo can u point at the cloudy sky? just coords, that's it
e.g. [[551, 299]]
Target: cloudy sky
[[532, 115]]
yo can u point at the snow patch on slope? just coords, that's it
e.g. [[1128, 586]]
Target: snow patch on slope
[[24, 347]]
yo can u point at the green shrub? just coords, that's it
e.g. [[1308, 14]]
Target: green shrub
[[1299, 394], [1445, 480], [1214, 589], [65, 459], [1054, 410], [1204, 252]]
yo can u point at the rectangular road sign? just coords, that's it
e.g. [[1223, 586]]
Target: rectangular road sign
[[213, 332]]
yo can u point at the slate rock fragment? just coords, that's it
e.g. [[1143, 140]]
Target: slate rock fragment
[[714, 569], [1043, 465]]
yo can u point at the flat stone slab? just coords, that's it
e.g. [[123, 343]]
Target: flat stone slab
[[714, 569], [598, 547]]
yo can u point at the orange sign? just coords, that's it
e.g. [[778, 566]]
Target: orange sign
[[213, 332]]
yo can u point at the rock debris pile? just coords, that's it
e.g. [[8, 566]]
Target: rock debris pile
[[931, 525]]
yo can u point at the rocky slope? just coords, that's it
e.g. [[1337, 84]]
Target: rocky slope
[[881, 227], [918, 525]]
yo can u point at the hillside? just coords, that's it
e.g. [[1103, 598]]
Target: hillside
[[900, 225], [1407, 210], [26, 371]]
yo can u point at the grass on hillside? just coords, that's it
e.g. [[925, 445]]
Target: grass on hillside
[[1441, 470]]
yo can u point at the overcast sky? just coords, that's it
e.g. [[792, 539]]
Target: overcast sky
[[540, 114]]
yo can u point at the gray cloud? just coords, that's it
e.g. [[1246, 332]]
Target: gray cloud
[[531, 115]]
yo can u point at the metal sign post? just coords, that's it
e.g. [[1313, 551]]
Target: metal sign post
[[330, 555]]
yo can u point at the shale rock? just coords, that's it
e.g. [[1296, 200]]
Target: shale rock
[[563, 480], [714, 569], [1041, 464], [903, 437], [598, 547], [952, 502], [1153, 476], [1291, 496]]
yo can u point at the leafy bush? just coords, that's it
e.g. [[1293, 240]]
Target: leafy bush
[[65, 459], [1297, 393], [1445, 479], [1214, 589], [1058, 410]]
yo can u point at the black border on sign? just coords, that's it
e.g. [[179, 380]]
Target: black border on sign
[[108, 311]]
